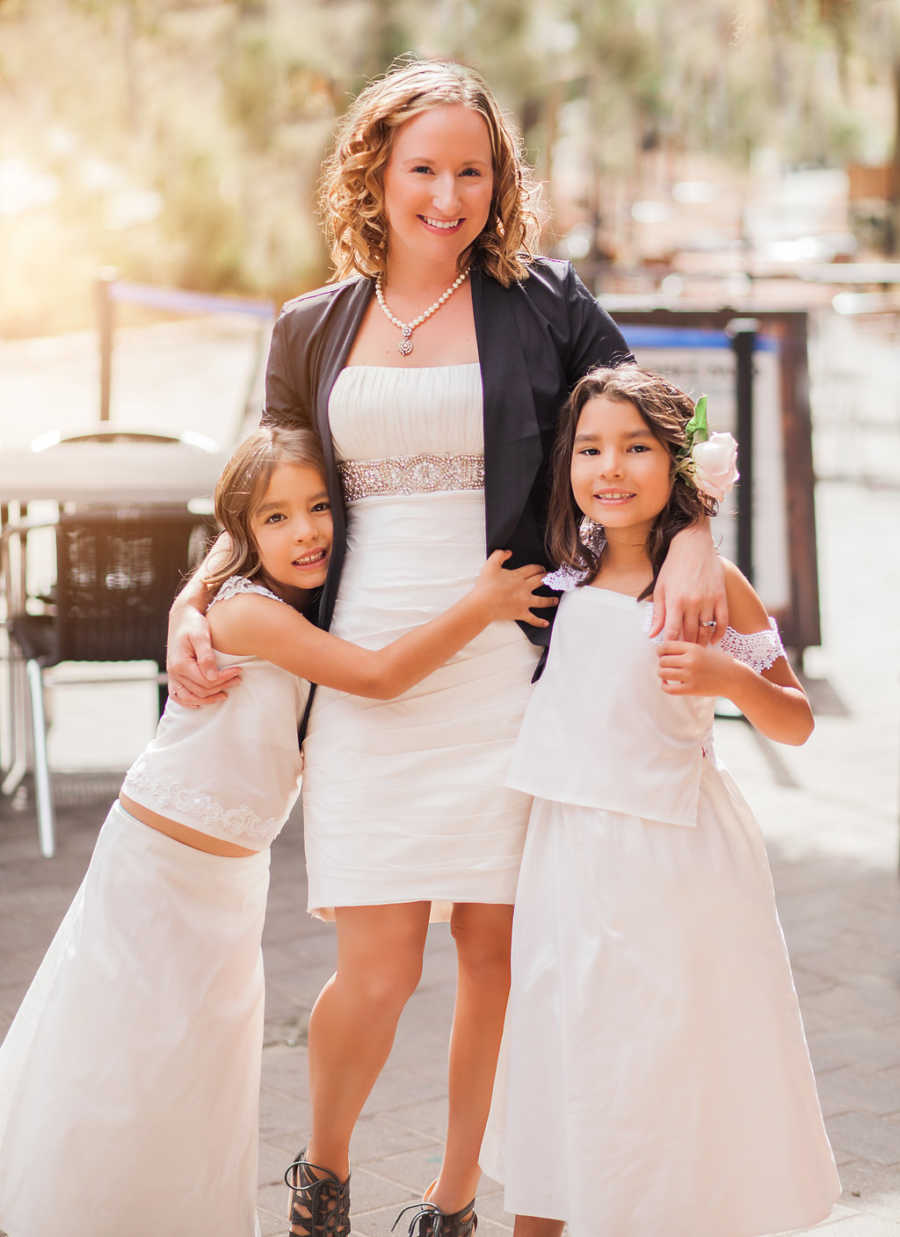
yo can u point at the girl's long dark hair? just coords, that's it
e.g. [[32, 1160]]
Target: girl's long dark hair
[[666, 411]]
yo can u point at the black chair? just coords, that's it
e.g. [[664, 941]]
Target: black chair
[[116, 575]]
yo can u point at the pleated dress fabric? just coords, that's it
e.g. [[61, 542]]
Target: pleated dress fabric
[[404, 800], [129, 1079], [654, 1075]]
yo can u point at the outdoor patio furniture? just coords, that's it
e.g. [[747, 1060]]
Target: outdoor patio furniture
[[116, 575]]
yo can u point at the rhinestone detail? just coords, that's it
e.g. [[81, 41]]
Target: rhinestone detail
[[410, 474]]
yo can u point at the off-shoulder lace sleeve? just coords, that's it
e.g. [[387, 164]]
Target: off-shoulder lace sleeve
[[565, 578], [759, 650], [235, 585]]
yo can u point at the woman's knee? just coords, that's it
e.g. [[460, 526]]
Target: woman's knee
[[380, 958], [384, 984], [482, 935]]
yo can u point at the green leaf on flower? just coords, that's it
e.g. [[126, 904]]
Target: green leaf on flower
[[697, 429]]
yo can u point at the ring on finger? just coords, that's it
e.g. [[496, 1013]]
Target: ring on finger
[[708, 623]]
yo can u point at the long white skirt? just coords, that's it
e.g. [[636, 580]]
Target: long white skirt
[[129, 1080], [654, 1075]]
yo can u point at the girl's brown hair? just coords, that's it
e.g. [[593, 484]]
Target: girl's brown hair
[[352, 189], [666, 411], [242, 484]]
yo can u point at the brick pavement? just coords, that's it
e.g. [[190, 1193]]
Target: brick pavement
[[829, 812]]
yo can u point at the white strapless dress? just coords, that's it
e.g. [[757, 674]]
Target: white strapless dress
[[403, 800]]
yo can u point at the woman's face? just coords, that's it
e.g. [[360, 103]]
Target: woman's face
[[438, 184]]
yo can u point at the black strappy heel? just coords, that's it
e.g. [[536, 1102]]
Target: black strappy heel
[[430, 1221], [318, 1192]]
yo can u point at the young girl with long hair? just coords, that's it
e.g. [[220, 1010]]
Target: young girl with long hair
[[656, 1077], [129, 1079]]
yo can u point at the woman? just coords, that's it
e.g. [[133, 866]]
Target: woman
[[435, 372]]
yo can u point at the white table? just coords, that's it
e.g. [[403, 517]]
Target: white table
[[139, 474]]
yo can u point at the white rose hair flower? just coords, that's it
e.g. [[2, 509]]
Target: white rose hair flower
[[714, 456]]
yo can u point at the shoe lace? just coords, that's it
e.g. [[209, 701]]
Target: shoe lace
[[431, 1220], [324, 1220], [422, 1211]]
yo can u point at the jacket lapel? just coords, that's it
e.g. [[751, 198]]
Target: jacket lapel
[[512, 443], [334, 343]]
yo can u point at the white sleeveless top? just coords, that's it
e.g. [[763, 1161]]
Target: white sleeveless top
[[600, 732], [231, 770]]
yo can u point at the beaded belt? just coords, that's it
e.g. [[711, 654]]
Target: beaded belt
[[410, 474]]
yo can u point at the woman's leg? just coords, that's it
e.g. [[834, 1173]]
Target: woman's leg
[[352, 1025], [533, 1226], [482, 935]]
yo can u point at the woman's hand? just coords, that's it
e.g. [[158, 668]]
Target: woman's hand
[[510, 594], [687, 669], [194, 678], [689, 600]]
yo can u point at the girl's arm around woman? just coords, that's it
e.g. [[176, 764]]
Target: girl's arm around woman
[[771, 699], [262, 627]]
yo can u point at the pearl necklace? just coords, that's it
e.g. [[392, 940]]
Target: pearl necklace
[[406, 328]]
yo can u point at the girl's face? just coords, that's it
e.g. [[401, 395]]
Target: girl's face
[[291, 527], [621, 473], [438, 183]]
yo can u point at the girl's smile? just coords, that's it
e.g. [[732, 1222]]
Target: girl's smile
[[292, 528], [621, 473]]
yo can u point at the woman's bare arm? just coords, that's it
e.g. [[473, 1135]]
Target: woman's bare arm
[[690, 589]]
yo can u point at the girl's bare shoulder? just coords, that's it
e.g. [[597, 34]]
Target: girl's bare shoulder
[[246, 623], [746, 612]]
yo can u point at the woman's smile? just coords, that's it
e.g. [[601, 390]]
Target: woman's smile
[[451, 225]]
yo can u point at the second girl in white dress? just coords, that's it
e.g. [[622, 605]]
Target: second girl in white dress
[[655, 1078]]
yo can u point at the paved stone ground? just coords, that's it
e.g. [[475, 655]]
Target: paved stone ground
[[829, 812]]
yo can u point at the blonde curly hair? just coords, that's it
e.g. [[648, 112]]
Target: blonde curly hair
[[352, 189]]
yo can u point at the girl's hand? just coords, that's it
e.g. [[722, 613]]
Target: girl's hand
[[687, 669], [510, 594], [194, 678], [690, 590]]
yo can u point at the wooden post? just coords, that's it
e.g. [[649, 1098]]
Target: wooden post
[[105, 326]]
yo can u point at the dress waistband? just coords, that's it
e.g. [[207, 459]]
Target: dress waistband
[[410, 474]]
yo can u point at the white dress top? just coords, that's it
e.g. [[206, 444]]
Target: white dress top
[[591, 722], [232, 770]]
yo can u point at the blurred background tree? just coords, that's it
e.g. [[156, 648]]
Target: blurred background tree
[[180, 140]]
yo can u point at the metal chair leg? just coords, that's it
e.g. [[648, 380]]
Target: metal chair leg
[[43, 791]]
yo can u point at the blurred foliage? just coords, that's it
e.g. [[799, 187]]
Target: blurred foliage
[[225, 108]]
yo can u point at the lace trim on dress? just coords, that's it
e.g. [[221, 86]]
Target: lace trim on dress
[[235, 585], [759, 649], [207, 812], [565, 578]]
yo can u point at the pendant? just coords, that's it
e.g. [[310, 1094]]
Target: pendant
[[406, 344]]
